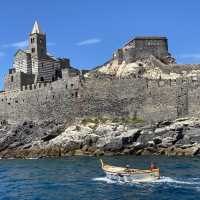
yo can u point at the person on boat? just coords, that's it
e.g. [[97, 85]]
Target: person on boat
[[152, 166]]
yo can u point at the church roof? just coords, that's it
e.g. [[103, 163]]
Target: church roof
[[36, 28]]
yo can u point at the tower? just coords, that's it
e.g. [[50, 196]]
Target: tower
[[37, 42]]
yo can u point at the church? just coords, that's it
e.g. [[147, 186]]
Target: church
[[34, 65]]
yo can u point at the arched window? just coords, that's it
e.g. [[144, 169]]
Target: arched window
[[42, 79]]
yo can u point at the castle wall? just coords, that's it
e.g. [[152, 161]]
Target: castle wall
[[16, 80], [144, 47], [67, 99]]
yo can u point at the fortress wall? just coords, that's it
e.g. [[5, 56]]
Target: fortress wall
[[152, 100], [194, 98]]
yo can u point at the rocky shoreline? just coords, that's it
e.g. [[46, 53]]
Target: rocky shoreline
[[98, 137]]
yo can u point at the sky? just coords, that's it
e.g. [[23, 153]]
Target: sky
[[89, 31]]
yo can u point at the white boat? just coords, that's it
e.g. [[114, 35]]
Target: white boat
[[129, 174]]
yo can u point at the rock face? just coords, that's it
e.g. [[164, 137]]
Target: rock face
[[53, 139]]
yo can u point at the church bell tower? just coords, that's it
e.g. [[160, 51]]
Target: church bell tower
[[37, 42]]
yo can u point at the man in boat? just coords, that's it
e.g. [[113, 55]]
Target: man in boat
[[152, 166]]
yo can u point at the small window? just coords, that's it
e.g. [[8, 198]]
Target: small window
[[66, 86], [72, 85], [76, 94], [42, 79], [32, 40], [16, 101], [33, 50], [11, 78]]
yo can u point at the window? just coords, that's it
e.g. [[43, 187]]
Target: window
[[42, 79], [72, 85], [76, 94], [11, 78], [33, 50], [32, 40]]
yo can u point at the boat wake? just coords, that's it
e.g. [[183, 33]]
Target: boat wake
[[162, 180]]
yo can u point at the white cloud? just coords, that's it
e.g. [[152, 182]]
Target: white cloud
[[21, 44], [89, 41]]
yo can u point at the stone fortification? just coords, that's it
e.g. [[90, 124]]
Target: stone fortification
[[147, 84]]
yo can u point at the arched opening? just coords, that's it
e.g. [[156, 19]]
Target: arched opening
[[42, 79]]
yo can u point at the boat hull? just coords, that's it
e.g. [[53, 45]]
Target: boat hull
[[132, 178]]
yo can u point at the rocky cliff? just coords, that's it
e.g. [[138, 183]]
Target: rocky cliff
[[150, 68], [99, 137]]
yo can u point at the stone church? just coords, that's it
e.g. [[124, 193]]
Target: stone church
[[35, 64]]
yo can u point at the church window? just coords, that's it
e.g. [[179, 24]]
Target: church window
[[11, 78], [32, 40], [33, 50]]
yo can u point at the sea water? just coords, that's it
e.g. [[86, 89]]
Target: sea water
[[75, 178]]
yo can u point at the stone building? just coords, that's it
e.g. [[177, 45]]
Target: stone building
[[35, 64], [143, 47]]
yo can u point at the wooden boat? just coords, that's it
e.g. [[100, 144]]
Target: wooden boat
[[129, 174]]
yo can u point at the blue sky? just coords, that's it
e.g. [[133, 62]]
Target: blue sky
[[88, 31]]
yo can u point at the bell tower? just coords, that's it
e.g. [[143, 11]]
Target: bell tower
[[37, 42]]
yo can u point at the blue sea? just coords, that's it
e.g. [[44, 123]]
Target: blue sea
[[75, 178]]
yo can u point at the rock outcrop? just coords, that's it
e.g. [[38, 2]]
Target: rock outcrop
[[99, 137]]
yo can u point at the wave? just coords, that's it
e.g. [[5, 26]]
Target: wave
[[165, 179], [162, 180]]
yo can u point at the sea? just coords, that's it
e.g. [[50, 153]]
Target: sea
[[81, 178]]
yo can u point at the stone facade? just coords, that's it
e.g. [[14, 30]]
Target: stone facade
[[142, 47]]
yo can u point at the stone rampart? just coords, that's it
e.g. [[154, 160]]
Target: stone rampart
[[151, 100]]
